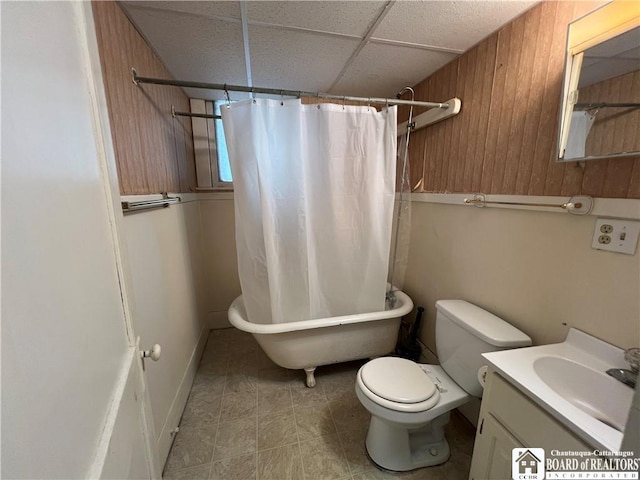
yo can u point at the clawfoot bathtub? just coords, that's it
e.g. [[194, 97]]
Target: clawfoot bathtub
[[311, 343]]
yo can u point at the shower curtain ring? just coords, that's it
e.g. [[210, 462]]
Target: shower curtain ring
[[226, 94]]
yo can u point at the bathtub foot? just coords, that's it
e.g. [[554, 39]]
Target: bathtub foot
[[311, 380]]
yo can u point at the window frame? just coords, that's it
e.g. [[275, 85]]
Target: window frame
[[205, 148]]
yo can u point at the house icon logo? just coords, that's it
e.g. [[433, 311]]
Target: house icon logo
[[527, 464]]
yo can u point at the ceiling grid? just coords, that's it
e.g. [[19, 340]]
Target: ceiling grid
[[361, 48]]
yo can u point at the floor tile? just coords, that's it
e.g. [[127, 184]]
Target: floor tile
[[338, 379], [236, 468], [314, 421], [282, 463], [353, 444], [202, 407], [201, 472], [349, 414], [212, 384], [193, 446], [276, 430], [240, 382], [457, 467], [323, 458], [235, 438], [274, 380], [274, 401], [236, 406], [214, 368], [303, 396], [271, 426]]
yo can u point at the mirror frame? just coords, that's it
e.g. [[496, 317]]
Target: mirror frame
[[598, 26]]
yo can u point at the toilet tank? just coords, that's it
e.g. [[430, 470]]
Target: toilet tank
[[463, 333]]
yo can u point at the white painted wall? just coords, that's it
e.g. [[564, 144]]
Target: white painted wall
[[65, 348], [536, 270], [167, 298], [219, 253]]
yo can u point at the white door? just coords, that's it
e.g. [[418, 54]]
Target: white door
[[74, 401]]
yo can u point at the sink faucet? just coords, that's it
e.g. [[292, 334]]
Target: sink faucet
[[628, 376]]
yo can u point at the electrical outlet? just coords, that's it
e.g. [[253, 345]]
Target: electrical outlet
[[616, 235], [604, 239]]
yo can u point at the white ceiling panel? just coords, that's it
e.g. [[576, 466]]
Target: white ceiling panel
[[348, 18], [307, 45], [455, 25], [195, 48], [296, 60], [227, 9], [382, 70]]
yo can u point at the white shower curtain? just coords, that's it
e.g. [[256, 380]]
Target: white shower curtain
[[314, 188]]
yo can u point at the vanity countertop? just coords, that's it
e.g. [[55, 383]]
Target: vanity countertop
[[569, 381]]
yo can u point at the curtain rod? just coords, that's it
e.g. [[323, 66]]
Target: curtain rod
[[274, 91], [607, 104]]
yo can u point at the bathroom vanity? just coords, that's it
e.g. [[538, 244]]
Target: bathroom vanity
[[556, 397], [509, 420]]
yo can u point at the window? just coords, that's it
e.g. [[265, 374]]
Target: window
[[210, 149], [224, 168]]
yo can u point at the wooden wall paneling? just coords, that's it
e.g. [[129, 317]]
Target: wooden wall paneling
[[522, 50], [618, 178], [493, 161], [486, 75], [446, 139], [434, 135], [504, 140], [106, 29], [634, 183], [544, 150], [433, 149], [144, 136], [474, 96], [508, 48], [537, 55], [555, 171], [189, 173], [456, 164]]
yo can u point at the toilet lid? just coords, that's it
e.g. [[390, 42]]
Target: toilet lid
[[398, 380]]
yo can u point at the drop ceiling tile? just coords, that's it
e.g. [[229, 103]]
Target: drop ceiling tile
[[195, 48], [349, 18], [221, 8], [455, 25], [382, 70], [296, 60]]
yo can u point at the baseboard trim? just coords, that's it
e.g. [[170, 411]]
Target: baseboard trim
[[165, 439]]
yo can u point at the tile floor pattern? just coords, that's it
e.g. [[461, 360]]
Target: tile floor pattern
[[248, 419]]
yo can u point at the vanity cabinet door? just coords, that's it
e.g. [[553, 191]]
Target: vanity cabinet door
[[492, 451]]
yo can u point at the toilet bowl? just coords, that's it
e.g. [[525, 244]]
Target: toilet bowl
[[410, 402]]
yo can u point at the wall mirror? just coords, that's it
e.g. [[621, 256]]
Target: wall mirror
[[600, 110]]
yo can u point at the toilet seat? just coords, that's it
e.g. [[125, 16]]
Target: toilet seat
[[398, 384]]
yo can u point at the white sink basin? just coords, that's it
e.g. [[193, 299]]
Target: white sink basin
[[569, 381], [595, 393]]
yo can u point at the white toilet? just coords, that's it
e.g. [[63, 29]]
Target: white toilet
[[410, 402]]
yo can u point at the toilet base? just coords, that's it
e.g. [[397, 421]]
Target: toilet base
[[400, 449]]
